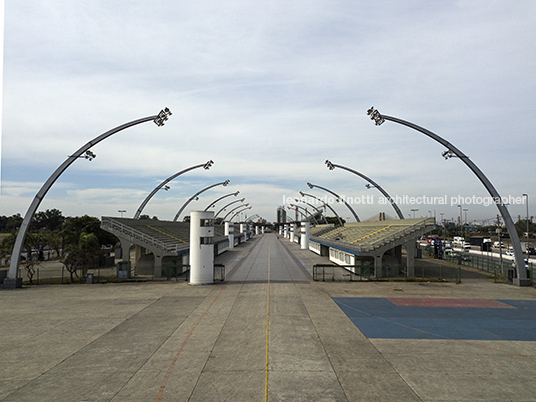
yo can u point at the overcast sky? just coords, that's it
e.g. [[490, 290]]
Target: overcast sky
[[268, 91]]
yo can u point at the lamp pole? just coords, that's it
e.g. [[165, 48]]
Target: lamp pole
[[213, 203], [527, 246], [452, 151], [413, 210], [223, 183], [231, 211], [312, 206], [242, 210], [121, 211], [223, 208], [306, 212], [206, 166], [338, 198], [324, 204], [83, 152], [332, 166]]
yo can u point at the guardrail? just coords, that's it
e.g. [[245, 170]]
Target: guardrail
[[172, 272], [332, 272], [401, 233], [111, 224]]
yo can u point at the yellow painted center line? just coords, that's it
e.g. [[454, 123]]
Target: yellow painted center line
[[267, 326]]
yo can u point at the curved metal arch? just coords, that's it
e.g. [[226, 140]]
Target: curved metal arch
[[331, 166], [206, 165], [158, 119], [234, 209], [232, 217], [338, 197], [311, 205], [306, 212], [213, 203], [231, 203], [224, 183], [521, 279], [325, 204]]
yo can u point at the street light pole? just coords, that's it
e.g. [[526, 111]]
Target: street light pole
[[223, 208], [332, 166], [242, 210], [324, 204], [231, 211], [312, 206], [338, 198], [527, 246], [83, 152], [223, 183], [213, 203], [451, 151], [206, 166]]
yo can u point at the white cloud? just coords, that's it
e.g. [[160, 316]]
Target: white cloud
[[268, 91]]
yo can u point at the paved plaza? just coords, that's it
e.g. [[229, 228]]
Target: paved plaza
[[269, 333]]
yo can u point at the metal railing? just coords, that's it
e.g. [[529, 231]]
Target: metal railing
[[172, 272], [401, 233], [134, 234], [334, 272]]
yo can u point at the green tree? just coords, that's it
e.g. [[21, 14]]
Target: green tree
[[80, 255], [49, 220]]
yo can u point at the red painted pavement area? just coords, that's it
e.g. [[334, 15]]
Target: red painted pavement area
[[432, 302]]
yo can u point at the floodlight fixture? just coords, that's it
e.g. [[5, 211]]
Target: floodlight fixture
[[162, 117], [376, 116], [208, 165]]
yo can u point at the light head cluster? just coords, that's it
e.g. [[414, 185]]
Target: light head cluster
[[162, 117], [208, 165], [376, 116]]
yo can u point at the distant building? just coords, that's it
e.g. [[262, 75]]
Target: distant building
[[281, 215]]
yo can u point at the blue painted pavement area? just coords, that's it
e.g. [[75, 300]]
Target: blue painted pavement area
[[402, 318]]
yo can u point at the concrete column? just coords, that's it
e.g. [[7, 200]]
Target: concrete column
[[230, 234], [378, 266], [243, 231], [262, 229], [280, 230], [292, 232], [226, 228], [125, 250], [285, 231], [201, 247], [157, 266], [410, 258], [305, 234], [256, 230]]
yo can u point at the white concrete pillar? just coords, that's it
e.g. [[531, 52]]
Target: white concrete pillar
[[285, 231], [256, 230], [230, 234], [243, 231], [280, 230], [201, 247], [292, 232], [226, 228], [262, 229], [305, 234]]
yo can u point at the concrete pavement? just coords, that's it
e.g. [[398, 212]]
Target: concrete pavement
[[268, 332]]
